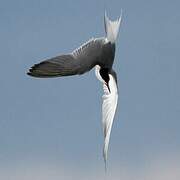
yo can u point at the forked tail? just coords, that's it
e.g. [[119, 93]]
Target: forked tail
[[112, 27]]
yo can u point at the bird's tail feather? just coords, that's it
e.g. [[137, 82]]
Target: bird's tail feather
[[112, 27]]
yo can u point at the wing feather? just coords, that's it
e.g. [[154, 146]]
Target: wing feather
[[79, 61]]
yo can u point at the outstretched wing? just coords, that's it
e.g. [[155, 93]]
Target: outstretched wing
[[79, 61], [109, 105]]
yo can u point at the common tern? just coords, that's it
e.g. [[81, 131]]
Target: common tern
[[98, 53]]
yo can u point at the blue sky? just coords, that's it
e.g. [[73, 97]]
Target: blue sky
[[52, 127]]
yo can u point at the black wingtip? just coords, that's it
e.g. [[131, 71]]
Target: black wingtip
[[32, 71], [29, 73], [32, 74]]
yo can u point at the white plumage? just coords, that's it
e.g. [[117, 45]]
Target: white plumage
[[112, 27], [109, 105]]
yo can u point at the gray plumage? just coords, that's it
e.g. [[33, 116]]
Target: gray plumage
[[94, 52]]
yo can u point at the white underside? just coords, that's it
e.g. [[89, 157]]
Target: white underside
[[109, 105]]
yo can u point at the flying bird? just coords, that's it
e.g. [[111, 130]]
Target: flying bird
[[98, 53]]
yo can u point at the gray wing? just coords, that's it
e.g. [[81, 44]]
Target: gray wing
[[79, 61]]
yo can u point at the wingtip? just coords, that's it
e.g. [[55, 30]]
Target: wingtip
[[105, 167], [30, 74], [30, 71], [105, 159]]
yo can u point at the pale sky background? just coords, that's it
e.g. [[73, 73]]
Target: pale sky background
[[51, 128]]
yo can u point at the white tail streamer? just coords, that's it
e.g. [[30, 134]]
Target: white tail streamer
[[112, 27]]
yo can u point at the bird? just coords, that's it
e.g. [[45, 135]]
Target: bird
[[97, 53]]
